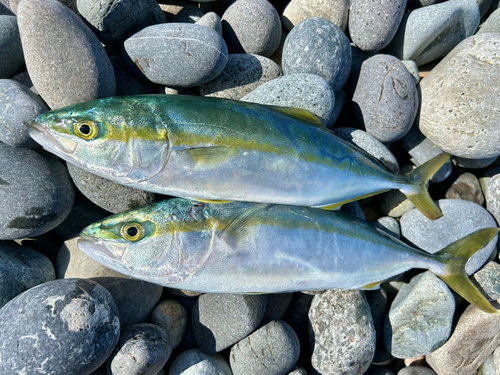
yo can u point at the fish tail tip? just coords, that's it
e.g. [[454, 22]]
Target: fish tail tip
[[424, 203]]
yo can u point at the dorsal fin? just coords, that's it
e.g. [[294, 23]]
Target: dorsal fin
[[300, 114]]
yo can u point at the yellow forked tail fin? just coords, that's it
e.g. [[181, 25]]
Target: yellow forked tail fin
[[455, 256], [420, 196]]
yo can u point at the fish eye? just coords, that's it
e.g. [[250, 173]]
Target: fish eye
[[86, 129], [132, 231]]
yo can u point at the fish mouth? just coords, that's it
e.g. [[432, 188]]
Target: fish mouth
[[99, 250], [49, 142]]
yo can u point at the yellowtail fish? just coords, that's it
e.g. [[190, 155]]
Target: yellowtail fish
[[212, 149], [241, 247]]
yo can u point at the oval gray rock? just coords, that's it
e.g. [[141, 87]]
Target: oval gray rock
[[47, 192], [385, 100], [419, 320], [492, 23], [21, 268], [212, 20], [176, 54], [318, 46], [51, 34], [73, 324], [459, 97], [194, 362], [429, 33], [114, 20], [11, 49], [373, 24], [459, 219], [342, 332], [221, 320], [298, 10], [242, 74], [107, 194], [305, 91], [171, 316], [143, 349], [272, 349], [252, 26], [19, 106]]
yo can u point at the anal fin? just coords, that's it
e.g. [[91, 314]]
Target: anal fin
[[212, 201], [372, 286], [336, 206]]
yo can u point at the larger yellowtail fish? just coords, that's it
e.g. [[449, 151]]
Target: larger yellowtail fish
[[243, 247], [216, 149]]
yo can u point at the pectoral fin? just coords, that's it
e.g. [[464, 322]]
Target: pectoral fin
[[209, 156], [242, 227], [300, 114]]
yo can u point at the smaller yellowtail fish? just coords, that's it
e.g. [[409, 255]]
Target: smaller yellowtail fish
[[243, 247], [212, 149]]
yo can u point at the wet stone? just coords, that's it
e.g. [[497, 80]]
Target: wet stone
[[459, 219], [21, 268], [385, 101], [194, 361], [252, 26], [420, 317], [461, 121], [318, 46], [221, 320], [73, 324], [466, 187], [107, 194], [492, 192], [273, 348], [176, 54], [305, 91], [298, 10], [19, 106], [51, 33], [47, 193], [143, 349], [242, 74], [11, 49], [172, 317], [107, 18], [341, 332]]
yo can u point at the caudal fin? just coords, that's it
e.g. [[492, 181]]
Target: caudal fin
[[455, 256], [419, 196]]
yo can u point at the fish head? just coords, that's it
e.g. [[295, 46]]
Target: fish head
[[118, 138], [161, 242]]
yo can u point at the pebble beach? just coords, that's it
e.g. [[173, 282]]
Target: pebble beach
[[403, 80]]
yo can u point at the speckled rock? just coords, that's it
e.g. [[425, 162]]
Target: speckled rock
[[492, 23], [135, 299], [306, 91], [114, 20], [221, 320], [413, 69], [194, 362], [488, 278], [473, 163], [475, 337], [298, 10], [421, 150], [212, 20], [18, 108], [127, 83], [10, 47], [416, 370], [389, 225], [21, 268], [5, 8], [385, 100], [272, 349], [371, 145], [342, 333], [47, 193], [188, 14], [459, 219], [276, 305], [373, 24], [419, 320], [176, 54], [487, 367], [172, 317], [492, 193], [107, 194], [251, 26], [51, 33], [297, 370], [318, 46], [143, 349], [429, 33], [63, 327], [242, 74], [466, 187], [463, 122]]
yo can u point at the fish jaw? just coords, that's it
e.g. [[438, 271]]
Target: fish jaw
[[61, 147]]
